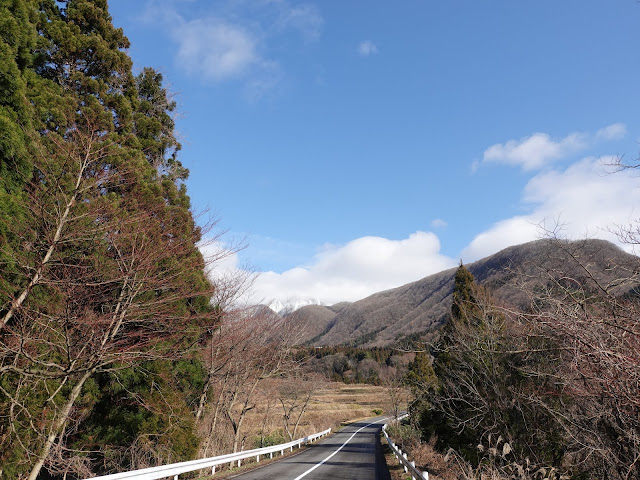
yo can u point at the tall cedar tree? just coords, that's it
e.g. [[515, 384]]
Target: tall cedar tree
[[483, 363], [99, 263]]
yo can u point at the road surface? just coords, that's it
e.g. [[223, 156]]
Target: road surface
[[352, 453]]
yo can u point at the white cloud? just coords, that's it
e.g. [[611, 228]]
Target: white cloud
[[539, 150], [231, 42], [353, 271], [505, 233], [438, 223], [615, 131], [367, 48], [215, 49], [583, 199], [533, 152], [219, 259], [233, 282], [304, 18]]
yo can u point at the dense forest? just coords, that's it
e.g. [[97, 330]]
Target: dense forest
[[349, 364]]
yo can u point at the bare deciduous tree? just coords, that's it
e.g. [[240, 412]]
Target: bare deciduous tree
[[393, 379], [596, 323], [109, 279], [294, 395], [252, 345]]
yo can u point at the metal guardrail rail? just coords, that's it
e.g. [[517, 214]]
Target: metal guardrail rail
[[175, 469], [409, 466]]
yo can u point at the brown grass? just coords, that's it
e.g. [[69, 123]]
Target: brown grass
[[396, 470], [332, 406], [440, 467]]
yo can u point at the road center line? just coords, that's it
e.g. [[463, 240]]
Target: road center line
[[340, 448]]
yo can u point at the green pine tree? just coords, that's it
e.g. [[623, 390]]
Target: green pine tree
[[462, 308], [98, 254]]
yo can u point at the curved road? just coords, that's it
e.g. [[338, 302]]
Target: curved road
[[352, 453]]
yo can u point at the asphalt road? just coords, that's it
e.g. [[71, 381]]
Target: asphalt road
[[352, 453]]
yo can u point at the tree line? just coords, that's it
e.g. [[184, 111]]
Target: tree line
[[349, 364]]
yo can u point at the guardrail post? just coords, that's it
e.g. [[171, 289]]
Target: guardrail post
[[213, 470], [403, 463], [413, 464], [257, 458], [425, 474], [281, 452], [239, 463], [270, 454], [175, 477]]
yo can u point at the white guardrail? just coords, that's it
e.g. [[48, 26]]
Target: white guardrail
[[175, 469], [409, 466]]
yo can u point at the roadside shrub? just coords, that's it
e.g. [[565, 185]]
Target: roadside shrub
[[273, 438], [405, 436]]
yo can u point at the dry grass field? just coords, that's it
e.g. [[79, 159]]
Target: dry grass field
[[332, 405], [338, 403]]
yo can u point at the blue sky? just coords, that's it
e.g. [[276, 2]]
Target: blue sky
[[359, 145]]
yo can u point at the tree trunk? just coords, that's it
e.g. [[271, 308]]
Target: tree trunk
[[203, 397], [62, 221], [245, 408], [214, 424], [285, 418], [59, 425], [302, 410]]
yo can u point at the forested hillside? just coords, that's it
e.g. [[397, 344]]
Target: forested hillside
[[408, 313]]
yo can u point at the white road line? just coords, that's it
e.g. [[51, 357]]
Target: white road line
[[340, 448]]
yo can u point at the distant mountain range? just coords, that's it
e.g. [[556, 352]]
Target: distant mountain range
[[415, 309]]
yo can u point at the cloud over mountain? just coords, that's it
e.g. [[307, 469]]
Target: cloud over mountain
[[581, 200], [359, 268]]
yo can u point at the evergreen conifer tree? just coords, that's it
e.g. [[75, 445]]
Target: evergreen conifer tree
[[98, 255], [463, 295]]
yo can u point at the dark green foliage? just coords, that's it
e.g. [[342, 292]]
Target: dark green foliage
[[98, 260], [149, 407], [420, 375], [463, 294], [154, 127], [274, 438], [485, 381], [17, 37], [349, 364]]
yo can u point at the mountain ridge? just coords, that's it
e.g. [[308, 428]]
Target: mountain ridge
[[420, 307]]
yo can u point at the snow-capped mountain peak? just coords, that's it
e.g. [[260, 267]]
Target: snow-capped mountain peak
[[292, 304]]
